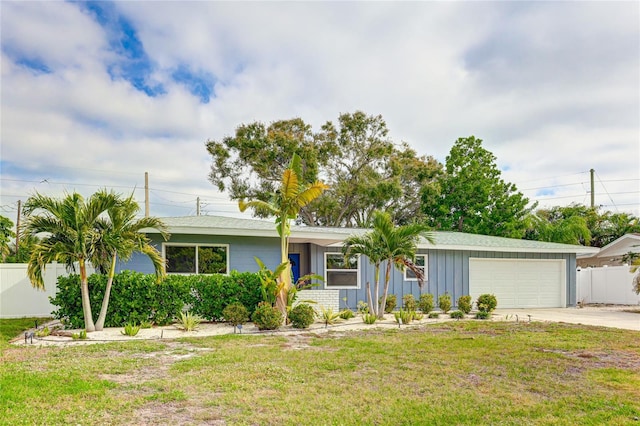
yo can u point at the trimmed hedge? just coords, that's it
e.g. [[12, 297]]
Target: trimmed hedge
[[137, 297], [210, 294]]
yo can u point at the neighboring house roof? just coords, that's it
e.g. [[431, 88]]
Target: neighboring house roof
[[623, 245], [323, 236]]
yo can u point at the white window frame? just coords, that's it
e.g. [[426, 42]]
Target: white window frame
[[425, 269], [326, 270], [196, 245]]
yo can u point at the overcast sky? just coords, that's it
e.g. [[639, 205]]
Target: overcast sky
[[96, 94]]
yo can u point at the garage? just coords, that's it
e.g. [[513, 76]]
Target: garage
[[520, 283]]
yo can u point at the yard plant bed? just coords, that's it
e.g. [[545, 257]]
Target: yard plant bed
[[464, 372]]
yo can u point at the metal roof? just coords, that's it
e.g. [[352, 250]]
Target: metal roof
[[324, 236]]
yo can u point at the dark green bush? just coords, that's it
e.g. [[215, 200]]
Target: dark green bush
[[210, 294], [302, 315], [487, 302], [135, 298], [267, 317], [426, 303], [457, 314], [235, 314], [483, 315], [465, 304], [390, 304], [138, 298], [346, 314], [444, 302], [409, 302]]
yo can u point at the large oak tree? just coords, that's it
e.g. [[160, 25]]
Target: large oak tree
[[355, 156]]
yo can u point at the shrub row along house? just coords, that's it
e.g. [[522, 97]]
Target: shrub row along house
[[521, 273]]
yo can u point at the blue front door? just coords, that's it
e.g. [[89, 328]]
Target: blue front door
[[294, 258]]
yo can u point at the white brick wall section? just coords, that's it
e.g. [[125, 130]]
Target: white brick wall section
[[326, 298]]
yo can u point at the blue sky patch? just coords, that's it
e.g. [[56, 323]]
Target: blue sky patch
[[132, 63], [545, 192], [200, 84], [35, 65]]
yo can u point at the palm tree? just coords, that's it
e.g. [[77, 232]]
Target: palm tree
[[395, 245], [121, 237], [285, 205], [70, 236]]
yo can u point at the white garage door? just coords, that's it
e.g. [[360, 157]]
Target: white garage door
[[519, 283]]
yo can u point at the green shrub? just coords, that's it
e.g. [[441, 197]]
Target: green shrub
[[210, 294], [444, 302], [369, 318], [43, 332], [82, 335], [487, 302], [403, 317], [235, 314], [328, 316], [434, 315], [426, 303], [390, 303], [409, 302], [135, 297], [146, 324], [188, 321], [465, 304], [418, 316], [457, 314], [483, 315], [362, 307], [346, 314], [130, 329], [138, 298], [302, 315], [267, 317]]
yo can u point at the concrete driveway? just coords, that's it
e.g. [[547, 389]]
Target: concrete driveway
[[604, 316]]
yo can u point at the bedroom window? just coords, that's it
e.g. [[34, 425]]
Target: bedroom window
[[421, 263], [341, 274], [196, 259]]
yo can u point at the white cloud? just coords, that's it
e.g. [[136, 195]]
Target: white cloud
[[552, 88]]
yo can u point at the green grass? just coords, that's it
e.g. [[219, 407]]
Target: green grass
[[463, 373], [10, 328]]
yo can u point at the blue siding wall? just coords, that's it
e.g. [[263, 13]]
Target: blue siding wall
[[448, 270], [241, 252]]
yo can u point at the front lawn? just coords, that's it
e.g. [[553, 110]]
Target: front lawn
[[10, 328], [456, 373]]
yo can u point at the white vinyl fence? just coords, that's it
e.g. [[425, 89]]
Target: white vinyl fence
[[606, 285], [19, 299]]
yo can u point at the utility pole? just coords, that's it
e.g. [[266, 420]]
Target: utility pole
[[198, 206], [593, 195], [146, 194], [18, 227]]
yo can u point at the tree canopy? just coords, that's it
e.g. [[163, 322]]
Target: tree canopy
[[355, 156], [472, 197], [588, 225], [6, 233]]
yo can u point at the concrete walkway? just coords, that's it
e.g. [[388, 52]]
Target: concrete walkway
[[604, 316]]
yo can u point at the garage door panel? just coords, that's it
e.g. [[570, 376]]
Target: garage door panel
[[519, 283]]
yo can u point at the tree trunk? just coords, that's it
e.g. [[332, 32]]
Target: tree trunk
[[377, 295], [86, 304], [282, 298], [107, 294], [387, 277], [369, 300]]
